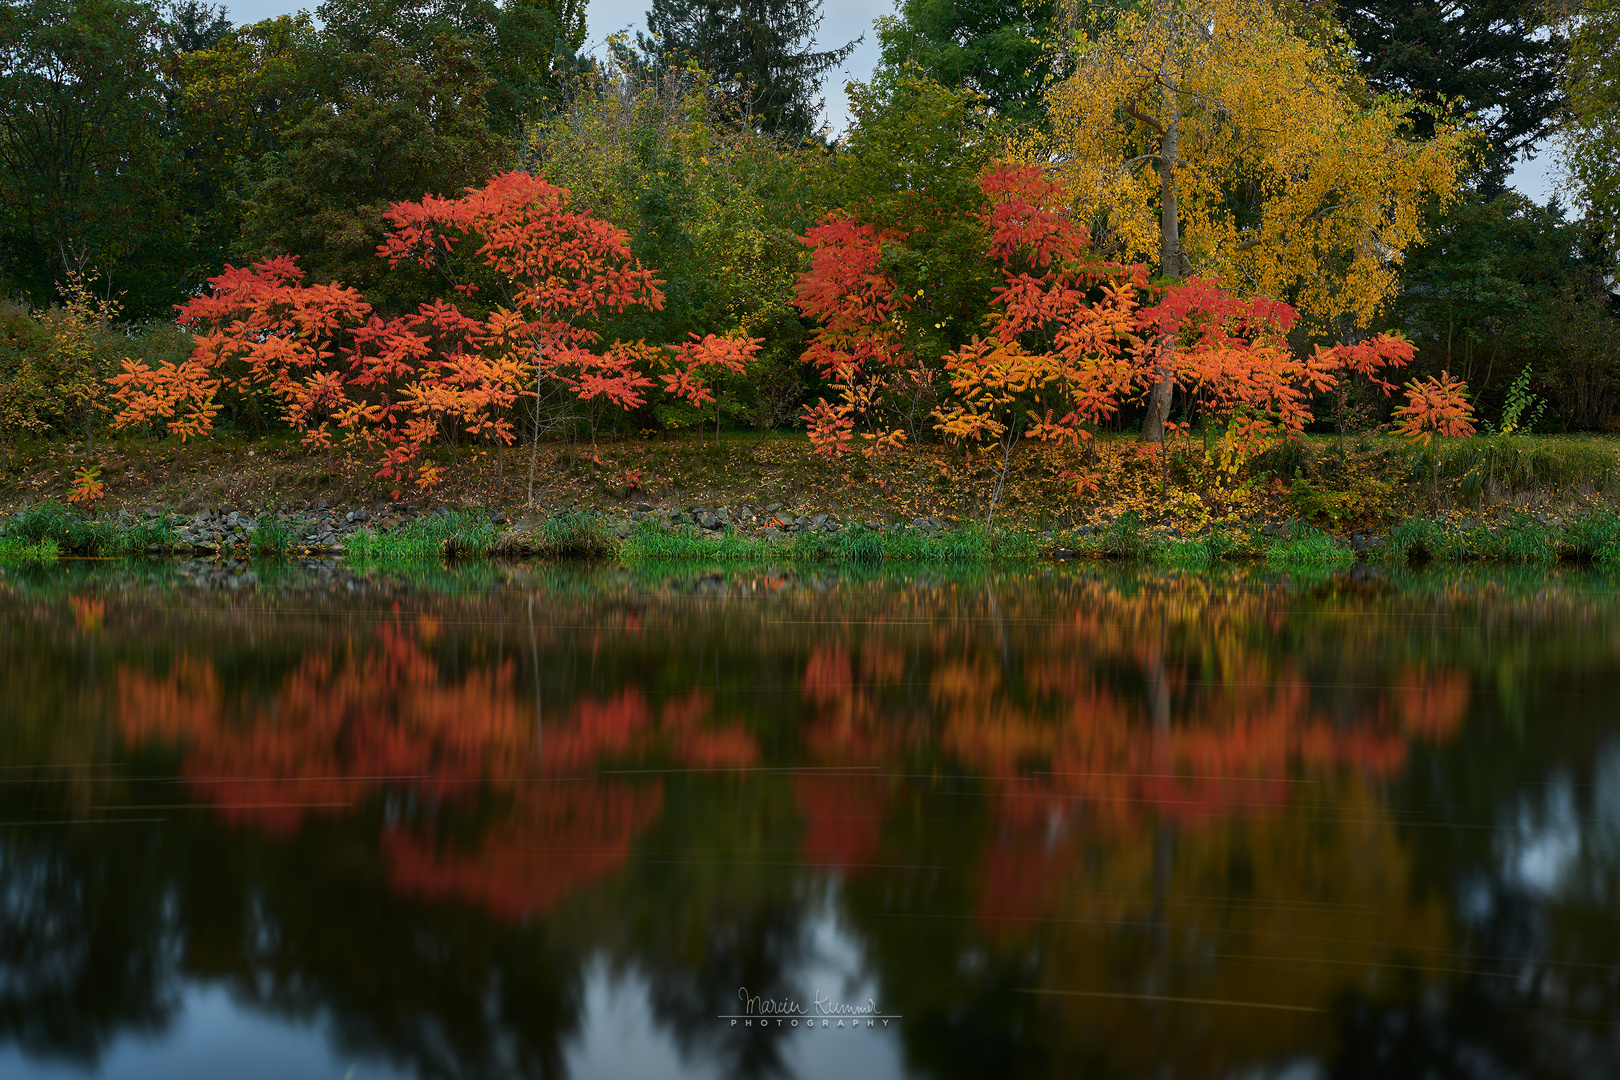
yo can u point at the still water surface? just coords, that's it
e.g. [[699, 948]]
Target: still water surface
[[1070, 822]]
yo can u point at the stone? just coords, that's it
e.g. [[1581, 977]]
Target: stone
[[773, 507], [1365, 541]]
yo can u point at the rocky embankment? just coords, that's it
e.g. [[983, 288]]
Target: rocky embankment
[[325, 529]]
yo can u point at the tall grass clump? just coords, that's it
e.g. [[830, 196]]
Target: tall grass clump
[[1594, 537], [130, 541], [1502, 466], [1307, 549], [271, 538], [1418, 540], [13, 550], [54, 523], [579, 535], [1183, 554], [1123, 538], [858, 544], [652, 542], [970, 544], [453, 534], [1521, 539]]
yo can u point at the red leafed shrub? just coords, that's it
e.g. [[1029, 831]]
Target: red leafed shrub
[[388, 386], [1069, 339]]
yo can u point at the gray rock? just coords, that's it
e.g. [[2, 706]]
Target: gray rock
[[773, 508], [1365, 541]]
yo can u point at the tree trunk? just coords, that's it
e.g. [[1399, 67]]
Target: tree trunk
[[1170, 266], [534, 447]]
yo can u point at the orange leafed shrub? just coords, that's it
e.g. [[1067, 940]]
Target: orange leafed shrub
[[1069, 340], [333, 366], [1435, 406]]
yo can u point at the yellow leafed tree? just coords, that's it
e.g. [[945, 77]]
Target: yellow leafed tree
[[1209, 138]]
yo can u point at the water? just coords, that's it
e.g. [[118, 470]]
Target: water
[[520, 822]]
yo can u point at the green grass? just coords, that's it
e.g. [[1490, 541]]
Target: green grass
[[854, 544], [1307, 549], [133, 541], [650, 541], [577, 535], [271, 538], [14, 550], [1594, 537], [54, 526], [1183, 554], [55, 523], [454, 534], [1502, 466]]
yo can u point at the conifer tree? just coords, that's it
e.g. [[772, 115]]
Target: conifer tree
[[1501, 60], [760, 53]]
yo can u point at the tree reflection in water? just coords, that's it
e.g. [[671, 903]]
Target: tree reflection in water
[[1073, 822]]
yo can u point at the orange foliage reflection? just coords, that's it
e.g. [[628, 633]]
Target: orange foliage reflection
[[339, 732]]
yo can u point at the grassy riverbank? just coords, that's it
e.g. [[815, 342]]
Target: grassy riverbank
[[1320, 501], [47, 531]]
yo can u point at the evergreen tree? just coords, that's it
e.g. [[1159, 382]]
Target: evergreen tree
[[1502, 60], [759, 52], [991, 46]]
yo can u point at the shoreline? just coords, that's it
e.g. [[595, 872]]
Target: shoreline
[[403, 533]]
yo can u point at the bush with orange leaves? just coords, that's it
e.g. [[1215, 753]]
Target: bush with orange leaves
[[333, 366], [1070, 339], [1435, 406]]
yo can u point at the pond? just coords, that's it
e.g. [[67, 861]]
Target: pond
[[1059, 821]]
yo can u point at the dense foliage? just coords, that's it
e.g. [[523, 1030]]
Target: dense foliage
[[1213, 164]]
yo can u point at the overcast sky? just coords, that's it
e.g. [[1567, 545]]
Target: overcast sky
[[842, 21]]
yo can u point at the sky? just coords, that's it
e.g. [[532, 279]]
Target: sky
[[842, 21]]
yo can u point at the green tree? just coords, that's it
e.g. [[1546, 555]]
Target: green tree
[[758, 51], [1592, 140], [1500, 283], [525, 48], [715, 207], [231, 102], [997, 49], [911, 163], [396, 129], [80, 112], [1500, 60]]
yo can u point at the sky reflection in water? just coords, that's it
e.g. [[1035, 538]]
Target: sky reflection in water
[[529, 822]]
